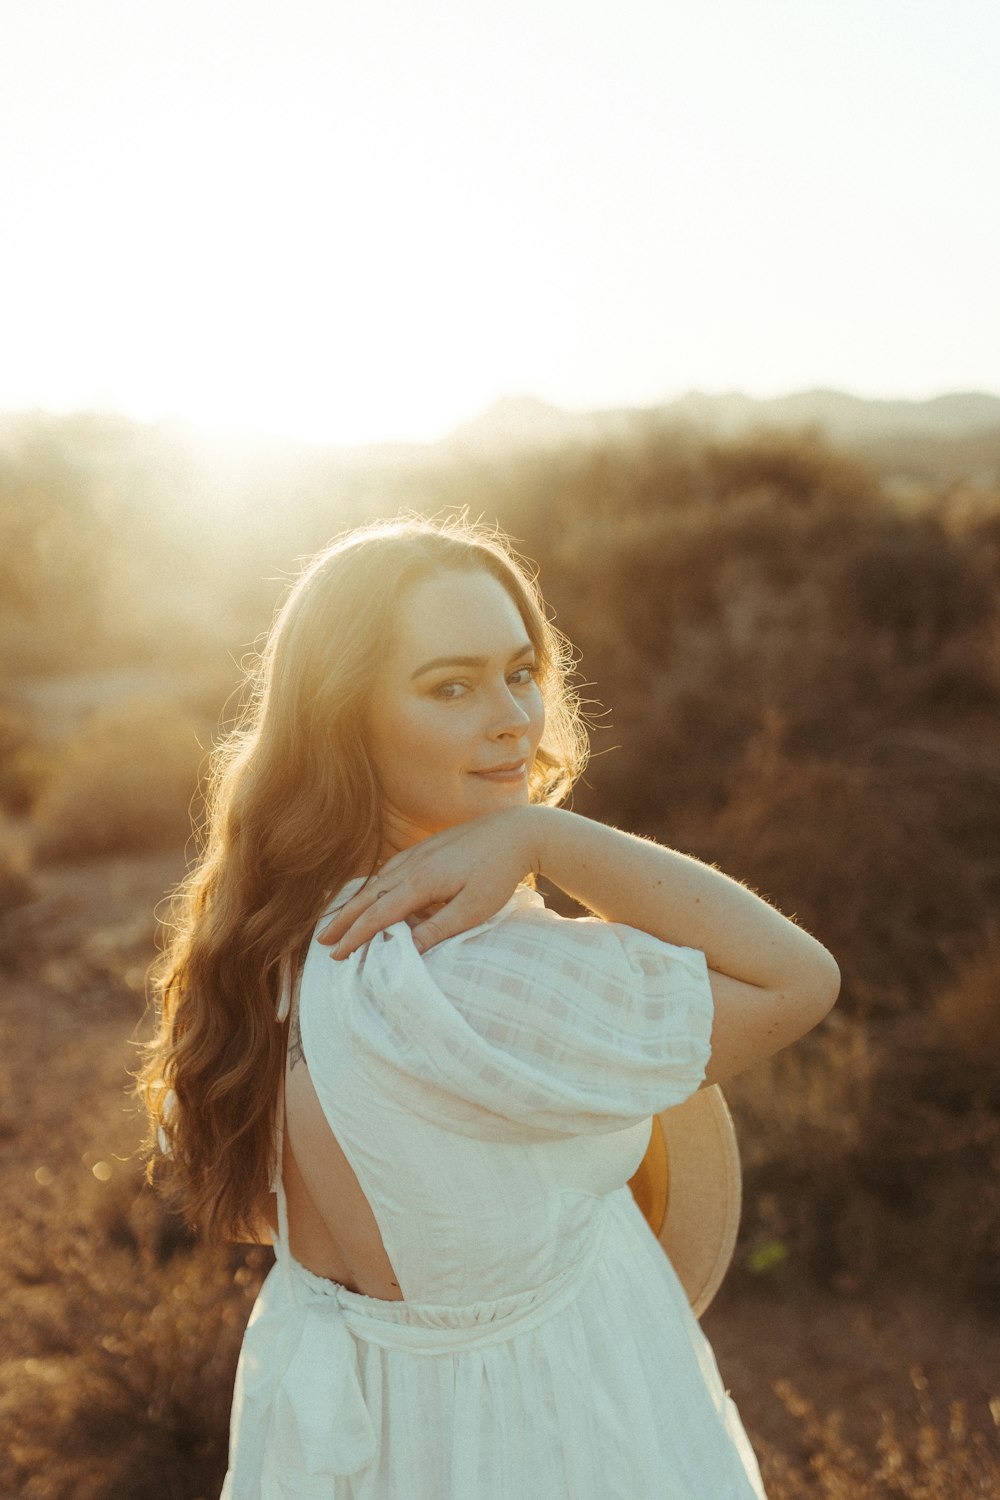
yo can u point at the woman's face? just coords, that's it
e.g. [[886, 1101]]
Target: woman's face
[[456, 714]]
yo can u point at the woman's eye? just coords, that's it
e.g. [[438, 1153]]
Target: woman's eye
[[458, 688]]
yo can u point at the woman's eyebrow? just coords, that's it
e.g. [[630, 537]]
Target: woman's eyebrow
[[466, 661]]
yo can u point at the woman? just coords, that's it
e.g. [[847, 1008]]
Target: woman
[[375, 1036]]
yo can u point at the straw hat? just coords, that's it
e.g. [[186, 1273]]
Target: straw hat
[[688, 1186]]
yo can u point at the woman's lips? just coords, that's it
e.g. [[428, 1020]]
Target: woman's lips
[[503, 773]]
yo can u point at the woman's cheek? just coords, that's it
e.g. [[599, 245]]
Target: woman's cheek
[[435, 734]]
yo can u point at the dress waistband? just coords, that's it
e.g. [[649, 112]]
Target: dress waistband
[[439, 1328]]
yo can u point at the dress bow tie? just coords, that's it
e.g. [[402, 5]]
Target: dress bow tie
[[302, 1397]]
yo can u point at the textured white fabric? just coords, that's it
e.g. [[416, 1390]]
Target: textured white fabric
[[493, 1097]]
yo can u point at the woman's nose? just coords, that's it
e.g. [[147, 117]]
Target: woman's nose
[[508, 714]]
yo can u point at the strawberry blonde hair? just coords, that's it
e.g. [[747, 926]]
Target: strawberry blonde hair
[[293, 810]]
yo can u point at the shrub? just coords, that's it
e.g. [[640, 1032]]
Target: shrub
[[864, 858], [16, 886], [127, 1335], [125, 783], [968, 1011], [23, 764]]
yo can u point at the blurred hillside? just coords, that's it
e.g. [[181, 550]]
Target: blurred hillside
[[792, 644], [948, 438], [116, 536]]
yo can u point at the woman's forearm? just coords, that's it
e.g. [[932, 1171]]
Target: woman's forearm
[[623, 878]]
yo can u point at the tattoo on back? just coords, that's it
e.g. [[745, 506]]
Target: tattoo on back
[[295, 1050]]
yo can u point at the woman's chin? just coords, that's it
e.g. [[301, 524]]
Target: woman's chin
[[496, 794]]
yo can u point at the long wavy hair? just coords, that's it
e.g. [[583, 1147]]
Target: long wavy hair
[[293, 810]]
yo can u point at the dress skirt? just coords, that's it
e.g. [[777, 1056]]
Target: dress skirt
[[597, 1385]]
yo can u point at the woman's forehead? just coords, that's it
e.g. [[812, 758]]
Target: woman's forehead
[[457, 613]]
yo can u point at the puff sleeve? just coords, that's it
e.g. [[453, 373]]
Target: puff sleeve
[[531, 1023]]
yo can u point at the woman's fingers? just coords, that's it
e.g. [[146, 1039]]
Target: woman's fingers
[[397, 905], [347, 914], [430, 924], [445, 922], [452, 909], [365, 923]]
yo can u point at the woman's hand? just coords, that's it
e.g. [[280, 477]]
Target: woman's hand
[[444, 885]]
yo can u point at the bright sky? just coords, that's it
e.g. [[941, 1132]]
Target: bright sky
[[367, 220]]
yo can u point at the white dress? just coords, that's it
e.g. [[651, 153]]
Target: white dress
[[493, 1097]]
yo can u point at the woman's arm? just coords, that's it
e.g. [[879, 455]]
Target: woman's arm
[[771, 981], [623, 878]]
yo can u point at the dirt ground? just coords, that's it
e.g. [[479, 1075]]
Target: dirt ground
[[864, 1357], [66, 1023]]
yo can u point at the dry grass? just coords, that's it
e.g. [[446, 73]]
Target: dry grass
[[931, 1454]]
